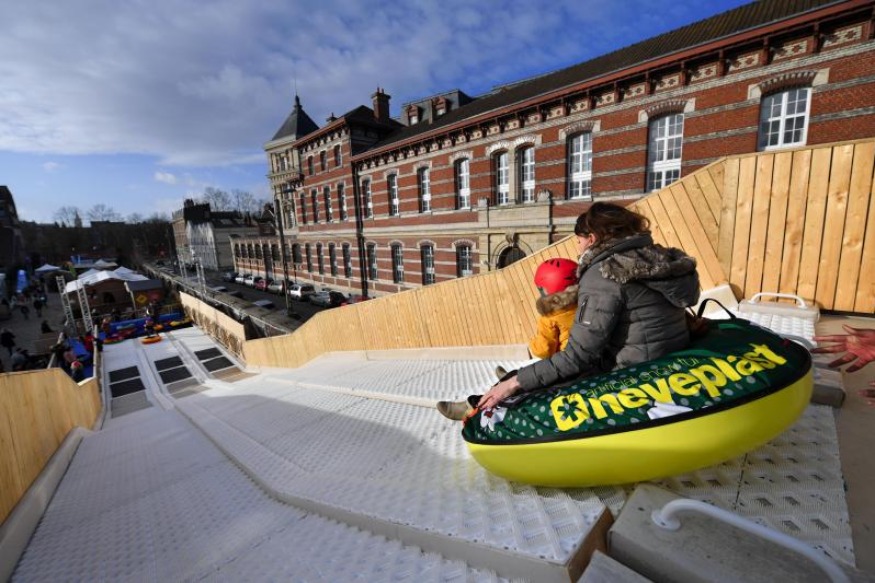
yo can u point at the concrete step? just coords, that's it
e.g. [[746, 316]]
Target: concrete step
[[704, 549], [604, 569]]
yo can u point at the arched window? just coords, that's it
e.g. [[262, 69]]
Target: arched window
[[464, 261], [341, 197], [526, 165], [392, 187], [784, 118], [426, 253], [580, 166], [332, 259], [463, 184], [501, 169], [275, 252], [310, 169], [372, 261], [367, 199], [397, 263], [664, 149], [320, 261], [303, 209], [309, 257], [236, 250], [314, 197], [423, 179], [337, 157], [322, 161], [347, 261], [296, 254], [258, 251], [329, 212]]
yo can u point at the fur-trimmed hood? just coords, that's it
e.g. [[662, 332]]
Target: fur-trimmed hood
[[637, 258], [552, 303]]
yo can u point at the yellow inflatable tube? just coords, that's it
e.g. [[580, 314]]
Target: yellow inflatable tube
[[725, 396], [650, 453]]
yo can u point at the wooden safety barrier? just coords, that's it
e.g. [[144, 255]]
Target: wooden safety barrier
[[37, 410], [797, 221]]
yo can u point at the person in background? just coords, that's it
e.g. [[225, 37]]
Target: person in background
[[858, 346], [45, 328], [38, 306], [632, 300], [19, 359], [77, 371], [7, 340]]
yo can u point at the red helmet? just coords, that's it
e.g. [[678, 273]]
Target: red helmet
[[554, 275]]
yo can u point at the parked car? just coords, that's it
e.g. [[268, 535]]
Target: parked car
[[262, 283], [301, 291], [276, 286], [240, 278], [355, 299], [266, 304], [219, 288], [229, 276], [328, 298]]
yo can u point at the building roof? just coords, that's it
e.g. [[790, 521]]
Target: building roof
[[90, 279], [143, 285], [743, 18], [297, 125]]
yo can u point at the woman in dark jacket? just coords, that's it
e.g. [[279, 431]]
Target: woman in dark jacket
[[631, 305]]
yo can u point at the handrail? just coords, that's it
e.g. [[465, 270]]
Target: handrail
[[667, 519]]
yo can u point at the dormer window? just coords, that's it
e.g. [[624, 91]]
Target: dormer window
[[441, 106], [414, 119], [413, 116]]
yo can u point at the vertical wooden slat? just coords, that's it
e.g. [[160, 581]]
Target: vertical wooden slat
[[777, 221], [759, 223], [865, 298], [834, 224], [741, 233], [692, 235], [703, 211], [705, 182], [855, 225], [797, 199], [727, 216], [661, 216], [814, 216]]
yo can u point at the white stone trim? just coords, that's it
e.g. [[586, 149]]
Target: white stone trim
[[680, 105], [808, 78], [589, 125]]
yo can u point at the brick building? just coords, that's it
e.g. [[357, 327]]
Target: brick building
[[458, 185]]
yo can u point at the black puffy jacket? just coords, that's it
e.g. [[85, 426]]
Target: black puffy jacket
[[631, 304]]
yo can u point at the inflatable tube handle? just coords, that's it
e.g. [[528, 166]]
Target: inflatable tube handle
[[756, 298], [701, 310], [666, 518]]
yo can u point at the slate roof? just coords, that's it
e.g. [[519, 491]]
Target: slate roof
[[297, 125], [738, 20]]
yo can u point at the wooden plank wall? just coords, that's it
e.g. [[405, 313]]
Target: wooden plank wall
[[37, 410], [226, 330], [797, 221]]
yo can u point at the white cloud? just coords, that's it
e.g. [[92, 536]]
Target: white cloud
[[207, 84], [165, 177], [51, 166]]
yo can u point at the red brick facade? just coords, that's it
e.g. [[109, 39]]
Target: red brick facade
[[718, 88]]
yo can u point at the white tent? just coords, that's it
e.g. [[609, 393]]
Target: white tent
[[101, 264], [122, 273], [46, 268]]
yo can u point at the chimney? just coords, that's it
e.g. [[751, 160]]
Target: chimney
[[381, 105]]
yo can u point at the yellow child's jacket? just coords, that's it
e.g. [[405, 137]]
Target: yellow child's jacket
[[557, 315]]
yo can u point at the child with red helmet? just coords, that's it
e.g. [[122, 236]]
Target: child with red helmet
[[557, 281]]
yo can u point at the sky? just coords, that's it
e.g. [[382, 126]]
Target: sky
[[139, 104]]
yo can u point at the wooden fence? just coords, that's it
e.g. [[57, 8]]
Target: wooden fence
[[226, 330], [797, 221], [37, 410]]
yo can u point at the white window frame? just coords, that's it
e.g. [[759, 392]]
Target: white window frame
[[373, 268], [427, 259], [502, 177], [369, 198], [332, 259], [424, 179], [397, 263], [527, 174], [780, 114], [464, 260], [665, 145], [329, 211], [394, 201], [347, 260], [341, 196], [580, 166], [463, 183]]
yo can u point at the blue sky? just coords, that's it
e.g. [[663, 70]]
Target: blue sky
[[138, 104]]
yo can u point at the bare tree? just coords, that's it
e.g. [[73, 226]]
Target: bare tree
[[158, 217], [219, 199], [134, 218], [101, 212], [67, 215], [244, 201]]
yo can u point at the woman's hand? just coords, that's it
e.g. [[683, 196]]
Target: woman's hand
[[498, 393], [858, 344]]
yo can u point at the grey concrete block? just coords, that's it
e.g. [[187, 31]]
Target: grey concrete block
[[828, 387], [604, 569], [703, 550]]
